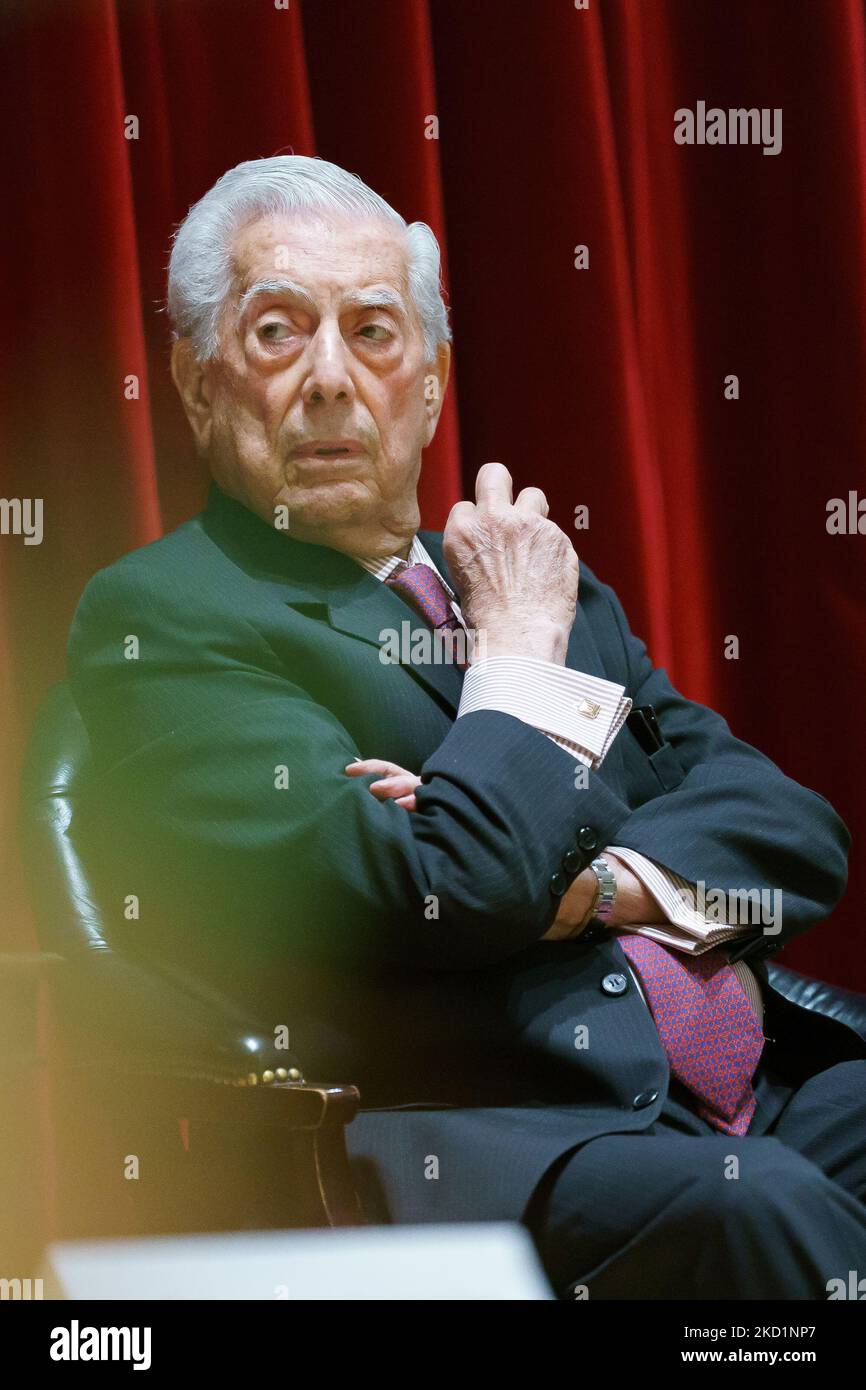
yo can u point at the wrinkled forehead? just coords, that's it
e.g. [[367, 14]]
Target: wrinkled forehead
[[325, 254]]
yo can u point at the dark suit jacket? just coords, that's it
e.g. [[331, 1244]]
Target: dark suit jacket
[[403, 951]]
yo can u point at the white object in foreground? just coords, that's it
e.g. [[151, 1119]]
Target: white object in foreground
[[484, 1260]]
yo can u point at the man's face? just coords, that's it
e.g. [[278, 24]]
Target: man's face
[[317, 399]]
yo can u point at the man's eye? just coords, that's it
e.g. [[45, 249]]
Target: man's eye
[[376, 332], [275, 332]]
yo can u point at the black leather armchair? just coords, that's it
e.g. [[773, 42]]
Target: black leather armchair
[[180, 1052], [160, 1059]]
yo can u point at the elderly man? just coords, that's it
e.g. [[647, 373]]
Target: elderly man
[[506, 937]]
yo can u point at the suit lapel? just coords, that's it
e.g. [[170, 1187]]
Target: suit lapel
[[328, 585], [372, 611], [583, 654]]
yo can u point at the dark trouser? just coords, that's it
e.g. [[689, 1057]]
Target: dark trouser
[[680, 1211]]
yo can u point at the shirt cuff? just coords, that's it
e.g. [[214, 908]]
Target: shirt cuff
[[687, 928], [582, 713]]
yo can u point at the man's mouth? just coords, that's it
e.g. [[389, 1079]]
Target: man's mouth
[[328, 449]]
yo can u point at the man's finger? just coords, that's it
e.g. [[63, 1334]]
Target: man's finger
[[461, 511], [364, 767], [493, 487], [400, 784], [532, 499]]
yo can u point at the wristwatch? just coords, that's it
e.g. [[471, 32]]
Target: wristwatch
[[606, 896]]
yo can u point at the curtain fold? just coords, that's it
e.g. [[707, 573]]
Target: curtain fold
[[603, 385]]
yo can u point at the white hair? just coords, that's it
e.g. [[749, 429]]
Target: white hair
[[201, 264]]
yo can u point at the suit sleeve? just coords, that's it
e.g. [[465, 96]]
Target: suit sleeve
[[220, 787], [734, 821]]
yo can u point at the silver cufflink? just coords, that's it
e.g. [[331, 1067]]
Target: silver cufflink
[[589, 709]]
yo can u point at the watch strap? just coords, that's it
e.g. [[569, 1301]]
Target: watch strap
[[606, 897]]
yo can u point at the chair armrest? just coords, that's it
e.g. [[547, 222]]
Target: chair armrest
[[844, 1005], [151, 1043], [148, 1019]]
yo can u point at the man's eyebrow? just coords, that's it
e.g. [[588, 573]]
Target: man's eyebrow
[[370, 297], [273, 287], [375, 297]]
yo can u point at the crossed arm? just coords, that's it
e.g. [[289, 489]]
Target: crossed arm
[[187, 741], [634, 903]]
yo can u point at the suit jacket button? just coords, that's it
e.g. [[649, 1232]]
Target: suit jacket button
[[615, 983], [645, 1098], [572, 862], [587, 837], [558, 884]]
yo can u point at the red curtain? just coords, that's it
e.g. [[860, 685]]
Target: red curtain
[[603, 385]]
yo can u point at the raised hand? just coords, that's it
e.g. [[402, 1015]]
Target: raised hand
[[516, 572]]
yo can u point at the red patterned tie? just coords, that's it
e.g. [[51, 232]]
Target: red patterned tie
[[424, 591], [706, 1025]]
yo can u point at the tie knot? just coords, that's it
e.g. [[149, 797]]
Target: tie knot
[[423, 589]]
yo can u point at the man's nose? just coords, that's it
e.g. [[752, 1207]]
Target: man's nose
[[328, 377]]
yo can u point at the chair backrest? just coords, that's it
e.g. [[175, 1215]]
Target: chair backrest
[[155, 1007], [68, 918]]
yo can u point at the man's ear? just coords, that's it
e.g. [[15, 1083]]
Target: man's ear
[[435, 385], [190, 378]]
